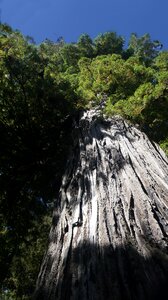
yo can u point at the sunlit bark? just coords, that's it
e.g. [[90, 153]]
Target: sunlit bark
[[109, 234]]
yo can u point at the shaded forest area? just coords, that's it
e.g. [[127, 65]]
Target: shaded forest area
[[42, 89]]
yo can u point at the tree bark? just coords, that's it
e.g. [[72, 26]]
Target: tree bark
[[109, 234]]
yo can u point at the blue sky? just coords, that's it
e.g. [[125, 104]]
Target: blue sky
[[69, 18]]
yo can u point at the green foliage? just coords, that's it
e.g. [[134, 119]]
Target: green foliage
[[86, 46], [161, 61], [26, 261], [144, 47], [108, 43], [147, 106], [164, 145], [36, 102], [85, 76]]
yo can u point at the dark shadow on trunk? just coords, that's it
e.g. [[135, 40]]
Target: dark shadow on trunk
[[102, 273]]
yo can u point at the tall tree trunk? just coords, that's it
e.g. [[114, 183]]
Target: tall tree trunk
[[109, 234]]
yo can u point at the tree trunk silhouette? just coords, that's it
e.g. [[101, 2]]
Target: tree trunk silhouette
[[109, 234]]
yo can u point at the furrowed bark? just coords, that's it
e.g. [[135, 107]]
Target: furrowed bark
[[109, 234]]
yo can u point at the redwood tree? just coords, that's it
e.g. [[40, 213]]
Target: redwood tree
[[109, 234]]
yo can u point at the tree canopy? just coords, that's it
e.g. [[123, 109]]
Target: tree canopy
[[42, 89]]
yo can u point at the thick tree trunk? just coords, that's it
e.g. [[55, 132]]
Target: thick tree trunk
[[109, 234]]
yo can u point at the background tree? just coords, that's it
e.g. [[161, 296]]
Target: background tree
[[86, 46], [108, 43], [144, 47]]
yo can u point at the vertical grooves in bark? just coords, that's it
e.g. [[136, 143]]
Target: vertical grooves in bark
[[110, 240]]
